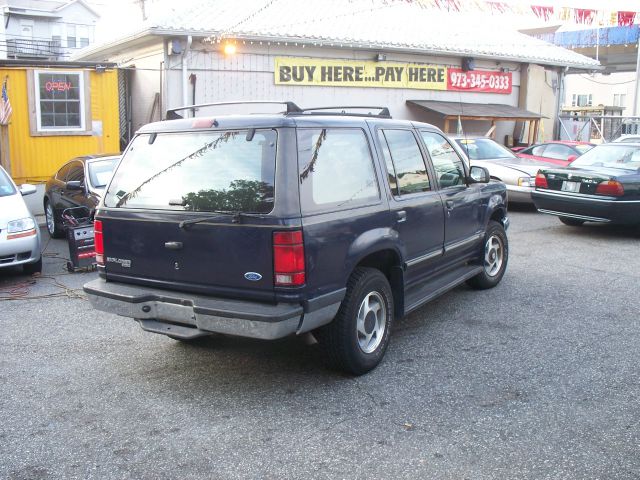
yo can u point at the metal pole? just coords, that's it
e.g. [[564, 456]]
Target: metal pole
[[636, 100]]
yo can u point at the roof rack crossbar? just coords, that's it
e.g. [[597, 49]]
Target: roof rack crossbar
[[173, 115], [383, 111]]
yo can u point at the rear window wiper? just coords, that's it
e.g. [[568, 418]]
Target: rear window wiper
[[236, 217]]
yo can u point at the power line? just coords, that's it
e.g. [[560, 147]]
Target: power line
[[607, 83]]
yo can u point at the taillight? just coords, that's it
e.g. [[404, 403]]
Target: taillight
[[288, 258], [541, 181], [98, 242], [612, 188]]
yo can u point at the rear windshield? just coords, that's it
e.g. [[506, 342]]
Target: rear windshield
[[100, 172], [583, 148], [625, 157], [6, 187], [230, 171]]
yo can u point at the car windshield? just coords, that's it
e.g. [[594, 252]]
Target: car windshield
[[621, 156], [197, 171], [100, 172], [583, 148], [6, 186], [483, 149]]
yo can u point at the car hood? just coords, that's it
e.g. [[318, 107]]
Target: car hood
[[524, 165], [12, 207]]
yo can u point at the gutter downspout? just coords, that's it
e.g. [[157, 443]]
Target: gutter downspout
[[185, 73]]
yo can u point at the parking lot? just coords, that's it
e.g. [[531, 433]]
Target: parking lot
[[537, 378]]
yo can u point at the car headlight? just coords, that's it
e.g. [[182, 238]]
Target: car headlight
[[23, 227], [526, 182]]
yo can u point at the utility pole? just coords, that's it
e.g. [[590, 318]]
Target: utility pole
[[636, 100], [142, 4]]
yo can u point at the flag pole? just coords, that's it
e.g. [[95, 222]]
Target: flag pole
[[5, 157]]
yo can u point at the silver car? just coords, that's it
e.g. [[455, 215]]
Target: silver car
[[19, 232], [519, 174]]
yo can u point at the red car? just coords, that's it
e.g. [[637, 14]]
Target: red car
[[556, 153]]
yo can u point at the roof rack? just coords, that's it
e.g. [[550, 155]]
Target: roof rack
[[173, 115], [382, 112], [291, 109]]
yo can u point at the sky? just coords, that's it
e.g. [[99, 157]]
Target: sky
[[121, 16]]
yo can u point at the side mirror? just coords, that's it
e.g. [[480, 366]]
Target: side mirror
[[479, 175], [571, 158], [74, 185], [27, 189]]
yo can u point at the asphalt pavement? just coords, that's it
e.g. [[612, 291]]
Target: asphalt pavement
[[535, 379]]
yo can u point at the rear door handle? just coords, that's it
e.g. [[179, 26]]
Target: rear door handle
[[401, 216], [173, 245]]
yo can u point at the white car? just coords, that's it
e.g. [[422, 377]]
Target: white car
[[628, 138], [518, 174], [19, 232]]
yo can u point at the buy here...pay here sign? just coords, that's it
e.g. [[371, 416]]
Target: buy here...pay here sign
[[354, 73]]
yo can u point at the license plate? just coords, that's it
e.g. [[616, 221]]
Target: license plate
[[570, 186]]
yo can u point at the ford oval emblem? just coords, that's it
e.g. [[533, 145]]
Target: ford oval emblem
[[252, 276]]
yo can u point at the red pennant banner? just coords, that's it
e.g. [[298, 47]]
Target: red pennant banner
[[584, 15], [543, 12], [626, 18]]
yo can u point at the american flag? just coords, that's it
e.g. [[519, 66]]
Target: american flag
[[5, 106]]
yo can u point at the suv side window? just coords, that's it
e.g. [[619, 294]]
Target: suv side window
[[336, 169], [405, 165], [447, 163], [76, 172]]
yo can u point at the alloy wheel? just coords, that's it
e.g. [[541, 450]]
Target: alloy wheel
[[371, 322]]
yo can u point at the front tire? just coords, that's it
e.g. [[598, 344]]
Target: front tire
[[572, 222], [495, 257], [53, 227], [357, 338]]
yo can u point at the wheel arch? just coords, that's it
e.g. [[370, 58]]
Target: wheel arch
[[388, 260]]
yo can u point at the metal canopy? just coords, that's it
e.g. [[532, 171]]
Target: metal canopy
[[492, 112], [476, 111]]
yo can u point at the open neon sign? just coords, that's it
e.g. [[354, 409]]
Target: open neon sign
[[58, 86]]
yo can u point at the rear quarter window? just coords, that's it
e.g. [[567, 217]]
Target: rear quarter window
[[336, 169]]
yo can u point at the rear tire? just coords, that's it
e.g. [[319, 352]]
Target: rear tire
[[31, 268], [357, 339], [572, 222], [53, 227], [494, 258]]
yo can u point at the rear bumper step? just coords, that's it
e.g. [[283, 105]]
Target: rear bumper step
[[184, 315]]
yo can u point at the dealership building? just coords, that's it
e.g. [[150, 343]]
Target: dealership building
[[423, 64]]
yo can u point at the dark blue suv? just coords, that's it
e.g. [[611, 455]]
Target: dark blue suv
[[305, 221]]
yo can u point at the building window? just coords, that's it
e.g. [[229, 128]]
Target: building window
[[83, 36], [71, 36], [582, 100], [59, 101], [619, 99]]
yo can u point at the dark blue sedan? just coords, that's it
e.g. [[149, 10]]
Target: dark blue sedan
[[603, 185]]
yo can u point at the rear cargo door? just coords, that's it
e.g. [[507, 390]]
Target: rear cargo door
[[191, 210]]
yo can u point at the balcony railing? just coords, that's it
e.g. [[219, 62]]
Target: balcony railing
[[29, 48]]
